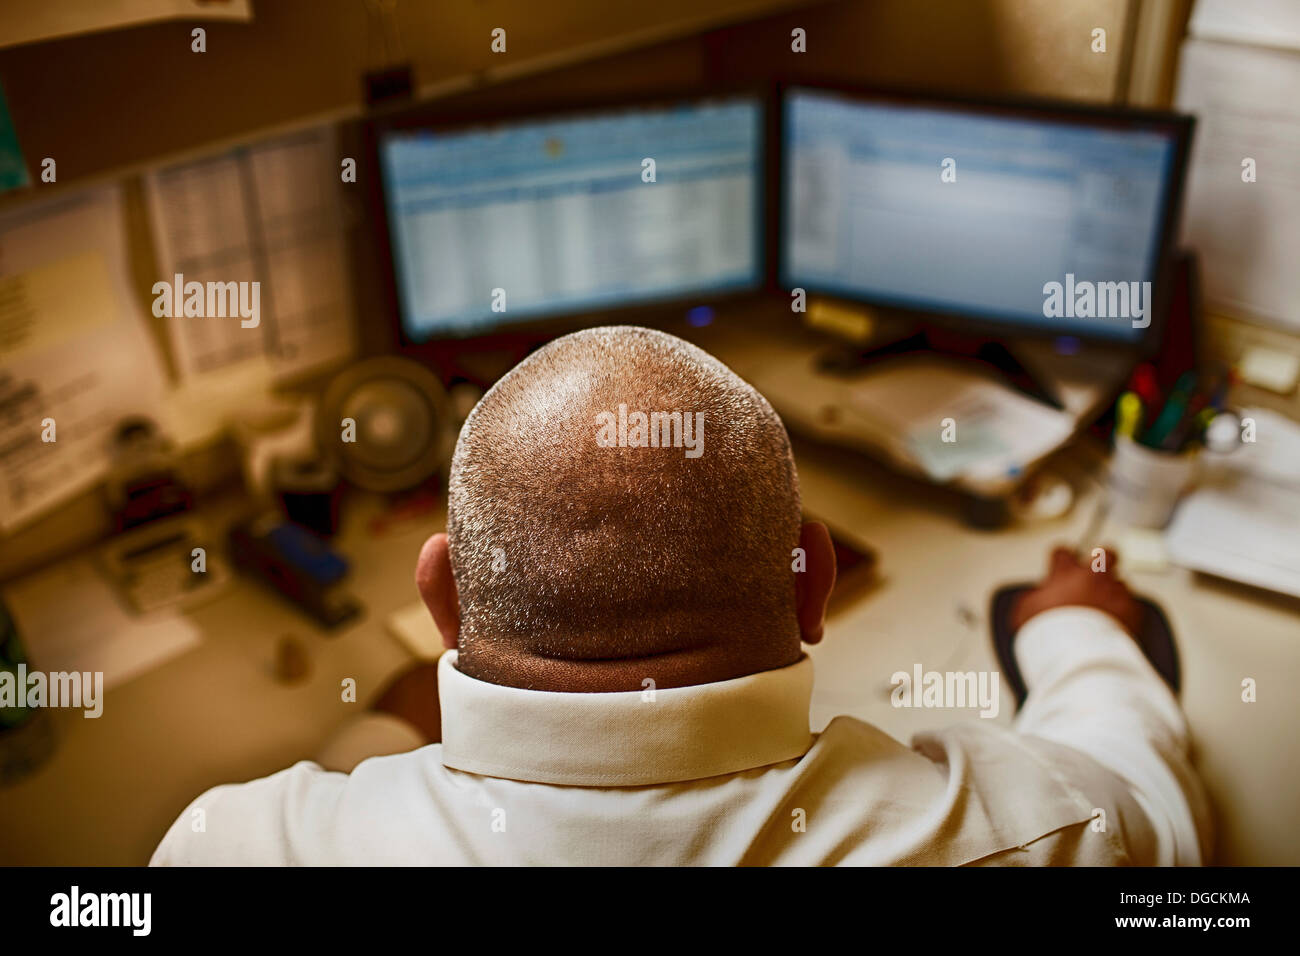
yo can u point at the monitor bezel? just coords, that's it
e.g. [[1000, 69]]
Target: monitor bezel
[[465, 113], [980, 323]]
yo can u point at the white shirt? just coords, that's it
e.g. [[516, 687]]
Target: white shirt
[[1095, 772]]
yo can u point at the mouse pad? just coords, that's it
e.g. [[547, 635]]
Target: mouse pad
[[1156, 640]]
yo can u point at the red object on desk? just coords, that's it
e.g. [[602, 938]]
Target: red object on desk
[[1143, 384]]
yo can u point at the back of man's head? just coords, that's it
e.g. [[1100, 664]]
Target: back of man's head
[[621, 494]]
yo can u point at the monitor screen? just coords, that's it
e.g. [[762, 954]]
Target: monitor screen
[[514, 221], [1050, 223]]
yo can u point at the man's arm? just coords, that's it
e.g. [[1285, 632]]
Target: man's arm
[[240, 824], [406, 716], [1092, 689]]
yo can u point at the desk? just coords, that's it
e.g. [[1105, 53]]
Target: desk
[[217, 715], [213, 715]]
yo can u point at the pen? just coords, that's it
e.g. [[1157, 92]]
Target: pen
[[1201, 423], [1128, 414], [1172, 413], [1178, 438], [1187, 425], [1142, 383]]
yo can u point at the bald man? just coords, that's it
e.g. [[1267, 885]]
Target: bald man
[[625, 681]]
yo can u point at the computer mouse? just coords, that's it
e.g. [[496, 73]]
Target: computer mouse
[[1156, 640]]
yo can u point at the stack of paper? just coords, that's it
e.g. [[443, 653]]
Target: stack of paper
[[1241, 522], [953, 422]]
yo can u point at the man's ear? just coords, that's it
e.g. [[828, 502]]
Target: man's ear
[[438, 588], [813, 585]]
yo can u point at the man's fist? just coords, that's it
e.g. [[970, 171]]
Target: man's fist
[[1070, 583]]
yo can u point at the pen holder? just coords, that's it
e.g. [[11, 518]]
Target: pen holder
[[1145, 484]]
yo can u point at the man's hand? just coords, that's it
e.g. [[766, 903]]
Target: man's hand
[[413, 696], [1069, 582]]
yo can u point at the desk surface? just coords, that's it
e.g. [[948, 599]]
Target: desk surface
[[217, 715]]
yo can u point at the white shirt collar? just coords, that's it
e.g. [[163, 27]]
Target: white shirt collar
[[624, 739]]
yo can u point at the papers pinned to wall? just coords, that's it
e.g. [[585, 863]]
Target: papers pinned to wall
[[1238, 74], [74, 353], [269, 214], [202, 234]]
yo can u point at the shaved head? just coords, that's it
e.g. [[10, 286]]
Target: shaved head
[[623, 494]]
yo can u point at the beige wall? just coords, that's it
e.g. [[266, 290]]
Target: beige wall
[[114, 100], [111, 100], [1037, 47]]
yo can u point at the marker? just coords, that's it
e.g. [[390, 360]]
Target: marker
[[1172, 413], [1177, 439], [1128, 413], [1190, 422], [1200, 423], [1204, 417], [1143, 385]]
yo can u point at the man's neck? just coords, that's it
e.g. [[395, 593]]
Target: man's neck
[[683, 668]]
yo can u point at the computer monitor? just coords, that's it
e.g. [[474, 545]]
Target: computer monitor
[[496, 224], [1017, 218]]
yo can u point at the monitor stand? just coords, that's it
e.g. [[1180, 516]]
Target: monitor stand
[[848, 360]]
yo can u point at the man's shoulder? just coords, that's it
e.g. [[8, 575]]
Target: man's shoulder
[[302, 815]]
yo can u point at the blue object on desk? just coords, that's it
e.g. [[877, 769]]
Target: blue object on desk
[[308, 553], [300, 566]]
